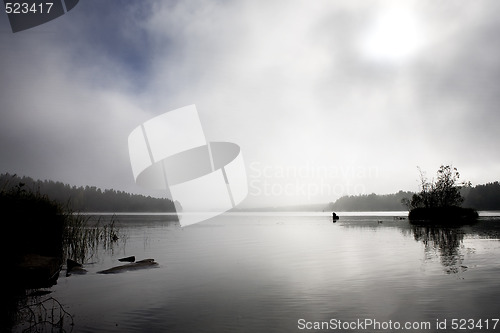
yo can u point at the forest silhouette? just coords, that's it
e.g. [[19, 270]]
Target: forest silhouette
[[89, 198], [481, 197], [93, 199]]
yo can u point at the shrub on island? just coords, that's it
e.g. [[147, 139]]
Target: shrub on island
[[440, 201]]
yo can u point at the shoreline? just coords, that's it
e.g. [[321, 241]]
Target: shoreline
[[485, 213]]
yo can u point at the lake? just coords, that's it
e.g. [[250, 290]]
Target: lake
[[290, 272]]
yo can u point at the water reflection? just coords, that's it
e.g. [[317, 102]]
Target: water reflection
[[42, 314], [254, 273], [441, 242], [447, 241]]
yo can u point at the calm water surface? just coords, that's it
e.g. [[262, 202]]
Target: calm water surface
[[264, 273]]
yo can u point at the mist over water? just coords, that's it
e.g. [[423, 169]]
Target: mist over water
[[265, 272]]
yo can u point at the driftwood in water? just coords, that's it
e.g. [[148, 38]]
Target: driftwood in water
[[145, 263], [127, 259]]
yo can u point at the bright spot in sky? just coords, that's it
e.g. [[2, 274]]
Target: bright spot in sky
[[393, 36]]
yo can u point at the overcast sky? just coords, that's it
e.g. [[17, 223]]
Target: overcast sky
[[325, 98]]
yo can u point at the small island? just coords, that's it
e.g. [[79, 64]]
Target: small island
[[440, 201]]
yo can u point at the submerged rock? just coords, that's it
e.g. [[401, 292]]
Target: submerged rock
[[70, 264], [141, 264], [77, 270]]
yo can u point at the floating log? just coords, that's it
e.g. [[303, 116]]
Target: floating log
[[127, 259], [145, 263]]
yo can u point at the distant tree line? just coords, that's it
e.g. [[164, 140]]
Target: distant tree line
[[370, 202], [479, 197], [88, 198], [482, 197]]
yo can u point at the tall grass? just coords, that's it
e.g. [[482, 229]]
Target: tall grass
[[37, 224], [83, 237]]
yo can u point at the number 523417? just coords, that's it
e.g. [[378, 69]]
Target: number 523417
[[25, 7]]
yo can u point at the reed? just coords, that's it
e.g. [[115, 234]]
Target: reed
[[46, 227], [36, 226], [83, 236]]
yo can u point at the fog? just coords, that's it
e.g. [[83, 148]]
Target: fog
[[324, 98]]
